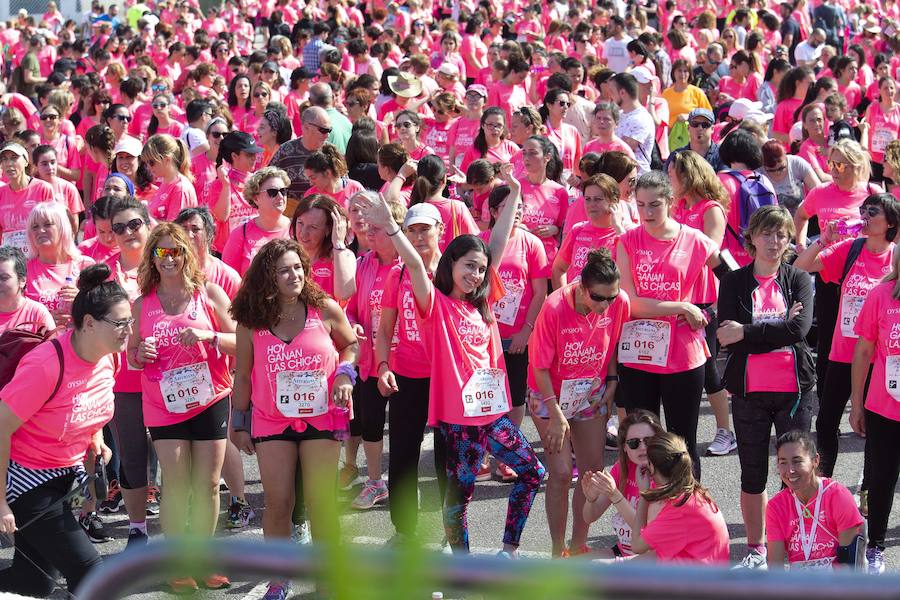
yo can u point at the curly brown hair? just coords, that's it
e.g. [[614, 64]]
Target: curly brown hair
[[255, 305], [192, 273], [258, 178]]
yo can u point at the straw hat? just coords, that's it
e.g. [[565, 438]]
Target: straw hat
[[405, 85]]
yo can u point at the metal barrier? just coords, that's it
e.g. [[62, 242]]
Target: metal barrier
[[475, 574]]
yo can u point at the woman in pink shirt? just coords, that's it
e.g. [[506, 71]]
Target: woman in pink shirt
[[327, 174], [46, 169], [883, 118], [663, 351], [43, 466], [572, 379], [845, 71], [169, 160], [464, 129], [240, 101], [814, 147], [469, 395], [20, 195], [743, 80], [320, 226], [15, 309], [564, 136], [183, 332], [791, 93], [203, 165], [545, 200], [224, 196], [66, 146], [874, 412], [408, 125], [295, 374], [812, 523], [103, 244], [603, 131], [262, 93], [162, 121], [490, 142]]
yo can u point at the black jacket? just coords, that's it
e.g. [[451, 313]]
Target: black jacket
[[736, 304]]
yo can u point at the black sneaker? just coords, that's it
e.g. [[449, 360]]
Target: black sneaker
[[136, 539], [93, 527], [114, 500]]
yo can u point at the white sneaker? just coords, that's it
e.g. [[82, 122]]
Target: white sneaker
[[723, 443], [875, 560], [612, 433], [300, 534], [753, 560]]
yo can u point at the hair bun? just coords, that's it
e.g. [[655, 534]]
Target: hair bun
[[93, 276]]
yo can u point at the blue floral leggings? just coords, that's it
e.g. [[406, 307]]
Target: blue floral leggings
[[466, 446]]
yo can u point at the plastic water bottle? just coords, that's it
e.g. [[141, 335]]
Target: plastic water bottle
[[65, 306], [849, 227], [341, 417], [151, 369]]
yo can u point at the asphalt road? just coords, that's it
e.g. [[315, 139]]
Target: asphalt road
[[488, 509]]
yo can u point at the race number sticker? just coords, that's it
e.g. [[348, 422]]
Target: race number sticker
[[485, 394], [892, 376], [302, 393], [507, 307], [574, 395], [645, 342], [187, 387], [850, 307]]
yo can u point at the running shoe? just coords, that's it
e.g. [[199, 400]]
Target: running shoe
[[372, 493], [239, 514], [507, 555], [875, 560], [183, 586], [864, 503], [136, 539], [153, 500], [722, 444], [348, 476], [505, 473], [278, 590], [754, 560], [300, 534], [114, 500], [216, 582], [612, 433], [93, 527], [484, 473]]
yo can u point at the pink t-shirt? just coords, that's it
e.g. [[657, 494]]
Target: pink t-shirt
[[239, 211], [245, 242], [670, 270], [545, 204], [501, 154], [66, 193], [879, 322], [694, 216], [853, 93], [408, 358], [571, 345], [509, 98], [222, 275], [96, 251], [45, 280], [616, 144], [436, 135], [837, 512], [748, 89], [209, 366], [170, 198], [784, 115], [56, 433], [867, 272], [461, 135], [311, 352], [460, 345], [322, 274], [31, 312], [814, 154], [365, 307], [568, 143], [583, 238], [829, 203], [524, 260], [457, 220], [15, 207], [694, 532], [883, 129], [773, 371], [343, 195], [632, 494]]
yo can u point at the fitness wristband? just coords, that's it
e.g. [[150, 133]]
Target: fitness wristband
[[347, 368], [241, 420], [611, 378]]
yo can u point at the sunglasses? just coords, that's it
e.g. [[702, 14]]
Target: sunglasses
[[701, 124], [598, 298], [635, 443], [870, 211], [162, 253], [404, 125], [564, 104], [273, 192], [122, 118], [322, 130], [837, 167], [217, 134], [132, 226], [124, 323], [157, 87], [49, 117], [260, 95], [159, 106]]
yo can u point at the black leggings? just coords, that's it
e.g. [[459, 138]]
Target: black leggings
[[712, 381], [128, 429], [407, 417], [679, 394], [833, 402], [883, 445], [54, 542], [827, 300], [372, 407]]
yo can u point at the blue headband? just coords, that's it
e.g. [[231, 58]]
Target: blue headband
[[128, 184]]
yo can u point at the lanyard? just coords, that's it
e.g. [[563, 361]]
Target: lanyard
[[807, 542]]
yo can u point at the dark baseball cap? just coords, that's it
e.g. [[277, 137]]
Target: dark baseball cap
[[239, 141], [302, 73]]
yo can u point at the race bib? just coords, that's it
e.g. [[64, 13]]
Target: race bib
[[17, 239], [881, 138], [507, 307], [187, 387], [850, 307], [485, 394], [574, 395], [302, 393], [645, 342], [816, 564], [623, 531], [892, 376]]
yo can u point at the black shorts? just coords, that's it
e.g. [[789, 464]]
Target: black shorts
[[290, 435], [517, 375], [210, 425]]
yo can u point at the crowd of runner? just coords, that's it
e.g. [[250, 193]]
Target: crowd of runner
[[281, 229]]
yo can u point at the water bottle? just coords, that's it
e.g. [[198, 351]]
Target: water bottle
[[65, 306], [849, 227], [341, 417], [151, 369]]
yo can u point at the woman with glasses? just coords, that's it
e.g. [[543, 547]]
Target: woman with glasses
[[622, 487], [240, 100], [464, 129], [572, 379], [169, 160], [262, 94], [857, 266], [266, 190], [564, 136], [765, 312], [19, 196], [603, 131], [68, 155], [162, 121], [46, 168], [883, 119], [320, 226], [491, 142], [791, 176], [203, 165], [237, 157], [408, 126], [183, 332], [43, 467], [117, 117], [814, 147]]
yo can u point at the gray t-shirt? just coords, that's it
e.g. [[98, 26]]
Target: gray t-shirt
[[790, 191]]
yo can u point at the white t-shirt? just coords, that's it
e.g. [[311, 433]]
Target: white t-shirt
[[638, 125], [616, 52], [194, 138], [805, 52]]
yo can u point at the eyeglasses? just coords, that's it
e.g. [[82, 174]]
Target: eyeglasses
[[493, 125], [322, 130], [120, 325], [598, 298], [162, 253], [260, 95], [159, 105], [701, 124], [837, 167], [49, 117], [405, 125], [564, 104], [635, 443], [122, 118], [132, 226], [870, 211], [273, 192], [217, 134]]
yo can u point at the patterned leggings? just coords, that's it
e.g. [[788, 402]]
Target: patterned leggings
[[466, 445]]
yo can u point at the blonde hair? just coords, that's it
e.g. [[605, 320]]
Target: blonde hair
[[163, 145], [255, 181], [57, 214], [192, 274], [856, 156]]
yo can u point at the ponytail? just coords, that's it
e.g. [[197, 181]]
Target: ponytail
[[96, 294], [430, 179]]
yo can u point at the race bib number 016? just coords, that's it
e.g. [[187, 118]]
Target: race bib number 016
[[485, 394], [186, 387], [302, 393], [645, 342]]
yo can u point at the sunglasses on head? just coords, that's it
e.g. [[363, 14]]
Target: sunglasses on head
[[132, 226], [162, 253], [635, 443], [273, 192]]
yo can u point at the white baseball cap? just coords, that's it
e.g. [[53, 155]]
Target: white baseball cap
[[129, 145], [741, 107], [422, 213]]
